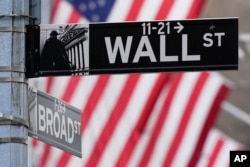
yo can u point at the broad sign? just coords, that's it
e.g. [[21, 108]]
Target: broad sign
[[138, 47], [55, 122]]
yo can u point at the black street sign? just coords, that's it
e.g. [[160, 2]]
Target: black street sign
[[55, 122], [138, 47]]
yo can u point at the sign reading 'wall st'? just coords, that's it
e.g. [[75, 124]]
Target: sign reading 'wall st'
[[55, 122], [137, 47]]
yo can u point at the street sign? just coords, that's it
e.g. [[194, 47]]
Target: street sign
[[55, 122], [138, 47]]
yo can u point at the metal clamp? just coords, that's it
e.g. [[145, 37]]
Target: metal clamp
[[13, 29], [13, 79], [12, 120], [11, 68], [14, 140], [18, 15]]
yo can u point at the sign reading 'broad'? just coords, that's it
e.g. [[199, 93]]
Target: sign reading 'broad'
[[55, 122], [137, 47]]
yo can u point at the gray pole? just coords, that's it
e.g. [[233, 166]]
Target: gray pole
[[13, 85]]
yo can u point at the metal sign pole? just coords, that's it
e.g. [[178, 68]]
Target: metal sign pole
[[14, 15]]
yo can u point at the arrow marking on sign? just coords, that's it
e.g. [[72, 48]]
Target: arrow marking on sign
[[179, 27]]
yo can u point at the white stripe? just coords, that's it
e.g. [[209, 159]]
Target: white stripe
[[208, 148], [174, 116], [101, 114], [119, 11], [38, 83], [83, 91], [223, 157], [197, 120], [149, 10], [63, 12], [142, 144], [83, 20], [180, 9], [37, 152], [58, 87], [139, 150], [55, 154], [128, 120], [86, 87]]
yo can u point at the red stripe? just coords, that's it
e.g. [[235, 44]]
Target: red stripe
[[87, 112], [134, 10], [142, 121], [218, 146], [54, 10], [164, 10], [45, 155], [161, 119], [71, 87], [74, 17], [34, 142], [94, 99], [185, 119], [196, 9], [49, 83], [208, 124], [114, 118], [63, 160]]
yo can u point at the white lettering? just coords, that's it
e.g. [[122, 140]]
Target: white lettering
[[41, 121], [77, 127], [57, 124], [63, 129], [207, 38], [219, 35], [209, 41], [237, 158], [243, 157], [163, 56], [144, 49], [70, 131], [144, 53], [185, 56], [59, 106], [49, 119], [118, 45]]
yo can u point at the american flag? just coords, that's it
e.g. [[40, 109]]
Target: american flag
[[216, 149], [134, 120]]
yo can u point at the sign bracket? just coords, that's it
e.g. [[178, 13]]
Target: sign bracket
[[132, 47], [13, 140], [32, 50], [12, 120], [11, 69]]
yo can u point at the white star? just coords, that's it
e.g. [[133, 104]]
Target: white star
[[83, 7], [95, 18], [92, 5], [101, 3]]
